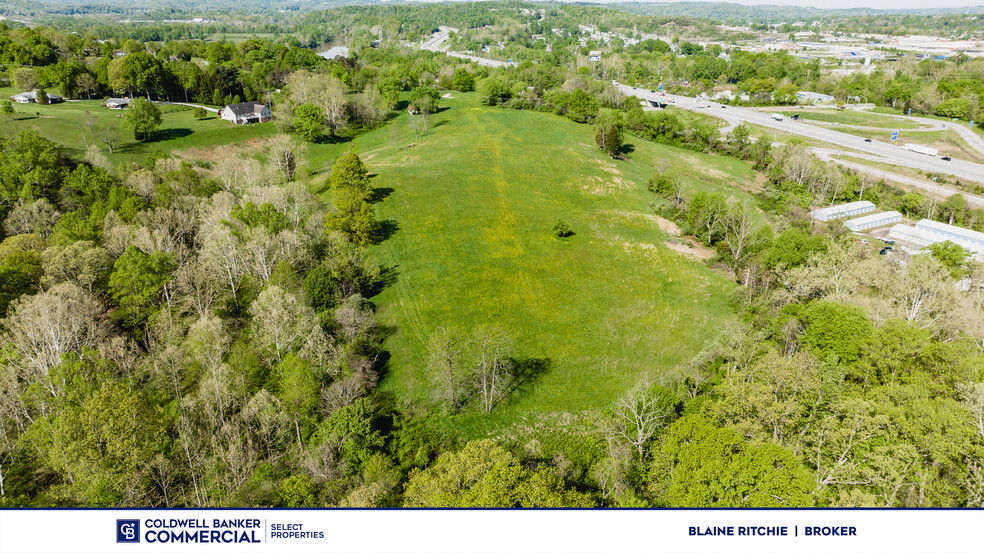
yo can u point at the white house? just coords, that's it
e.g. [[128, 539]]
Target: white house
[[32, 98], [594, 55], [246, 113], [117, 103]]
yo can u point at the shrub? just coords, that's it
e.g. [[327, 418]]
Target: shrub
[[563, 230], [200, 113]]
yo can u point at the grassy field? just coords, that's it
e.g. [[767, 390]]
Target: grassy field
[[180, 132], [849, 117], [475, 199], [859, 118]]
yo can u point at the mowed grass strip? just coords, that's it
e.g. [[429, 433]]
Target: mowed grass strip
[[476, 198]]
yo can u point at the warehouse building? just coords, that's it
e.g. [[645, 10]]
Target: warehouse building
[[905, 233], [938, 232], [842, 210], [928, 232], [873, 220]]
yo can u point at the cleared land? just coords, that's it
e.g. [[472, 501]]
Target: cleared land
[[475, 199], [180, 131]]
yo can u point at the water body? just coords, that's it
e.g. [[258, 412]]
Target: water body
[[335, 52]]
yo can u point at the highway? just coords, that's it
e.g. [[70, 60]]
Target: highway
[[435, 43], [885, 153]]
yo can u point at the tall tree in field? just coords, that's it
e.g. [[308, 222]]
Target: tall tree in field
[[283, 152], [446, 365], [352, 214], [143, 117], [609, 132], [492, 372]]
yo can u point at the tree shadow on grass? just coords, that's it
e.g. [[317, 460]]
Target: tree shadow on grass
[[626, 149], [388, 275], [527, 371], [169, 134], [379, 194], [385, 230]]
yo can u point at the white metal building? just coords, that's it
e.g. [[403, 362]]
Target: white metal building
[[873, 220], [970, 239], [928, 232], [842, 210], [905, 233]]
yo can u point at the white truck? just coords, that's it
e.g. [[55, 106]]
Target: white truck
[[919, 149], [777, 116]]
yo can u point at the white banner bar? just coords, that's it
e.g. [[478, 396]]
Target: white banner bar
[[492, 531]]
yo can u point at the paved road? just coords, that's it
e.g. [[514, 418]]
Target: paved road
[[436, 43], [825, 154], [887, 153]]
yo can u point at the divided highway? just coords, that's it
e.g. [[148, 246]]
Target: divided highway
[[435, 43], [885, 153]]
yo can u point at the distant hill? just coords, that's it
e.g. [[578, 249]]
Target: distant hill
[[765, 12]]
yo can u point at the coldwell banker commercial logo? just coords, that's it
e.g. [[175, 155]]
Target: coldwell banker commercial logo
[[127, 530]]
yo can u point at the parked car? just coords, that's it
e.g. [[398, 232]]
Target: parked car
[[864, 240], [945, 158], [887, 241], [883, 251]]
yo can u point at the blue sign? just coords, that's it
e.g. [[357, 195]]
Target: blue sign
[[895, 135], [127, 530], [909, 112], [972, 124], [661, 88]]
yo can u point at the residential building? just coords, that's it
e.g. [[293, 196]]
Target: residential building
[[246, 113], [32, 98]]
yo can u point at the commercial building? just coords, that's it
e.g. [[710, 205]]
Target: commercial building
[[928, 232], [807, 97], [873, 220], [842, 210]]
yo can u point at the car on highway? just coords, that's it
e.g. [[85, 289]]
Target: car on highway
[[945, 158], [724, 106], [867, 140]]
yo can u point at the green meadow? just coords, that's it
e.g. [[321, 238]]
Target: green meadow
[[473, 201]]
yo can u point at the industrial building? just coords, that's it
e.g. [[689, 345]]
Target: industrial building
[[807, 97], [928, 232], [873, 220], [842, 210]]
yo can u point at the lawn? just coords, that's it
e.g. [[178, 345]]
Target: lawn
[[474, 200], [180, 131], [858, 118]]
